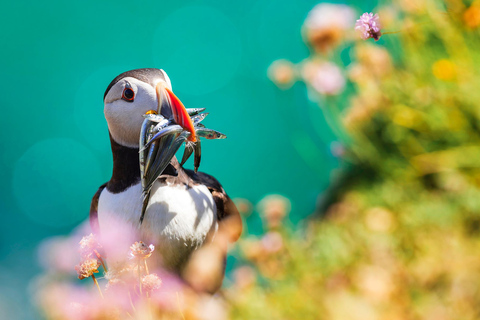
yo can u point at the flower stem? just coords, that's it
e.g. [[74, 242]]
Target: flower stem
[[96, 283], [179, 306], [149, 304], [146, 267], [139, 277], [103, 265], [101, 260], [131, 302], [391, 32]]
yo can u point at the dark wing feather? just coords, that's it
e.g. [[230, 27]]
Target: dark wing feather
[[206, 179], [227, 212], [94, 210]]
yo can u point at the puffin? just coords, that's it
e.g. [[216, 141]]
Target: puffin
[[185, 209]]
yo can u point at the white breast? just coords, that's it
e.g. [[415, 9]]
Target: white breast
[[177, 219]]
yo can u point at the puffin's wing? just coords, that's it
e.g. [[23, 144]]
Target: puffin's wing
[[94, 210], [227, 212]]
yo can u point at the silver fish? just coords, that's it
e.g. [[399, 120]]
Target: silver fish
[[151, 156], [144, 133], [189, 146], [166, 131], [160, 138], [161, 125], [199, 118], [194, 111], [209, 133], [154, 117]]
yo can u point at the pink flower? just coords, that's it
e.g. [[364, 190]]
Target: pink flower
[[369, 26], [328, 79], [89, 246], [140, 250], [151, 282], [87, 268]]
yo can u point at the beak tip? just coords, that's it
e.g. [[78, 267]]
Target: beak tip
[[180, 114]]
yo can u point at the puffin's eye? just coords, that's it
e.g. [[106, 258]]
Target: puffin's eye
[[128, 94]]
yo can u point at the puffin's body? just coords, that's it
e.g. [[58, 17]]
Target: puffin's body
[[185, 209]]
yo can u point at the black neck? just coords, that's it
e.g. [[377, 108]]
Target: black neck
[[126, 167]]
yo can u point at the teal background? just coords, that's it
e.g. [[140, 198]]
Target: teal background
[[57, 59]]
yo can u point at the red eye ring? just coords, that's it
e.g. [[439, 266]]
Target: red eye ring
[[128, 94]]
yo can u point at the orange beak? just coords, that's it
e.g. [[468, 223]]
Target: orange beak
[[166, 99]]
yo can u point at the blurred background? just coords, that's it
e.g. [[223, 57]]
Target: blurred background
[[57, 61], [355, 163]]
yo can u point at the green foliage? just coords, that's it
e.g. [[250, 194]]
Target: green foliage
[[400, 240]]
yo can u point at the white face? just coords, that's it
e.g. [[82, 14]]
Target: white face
[[125, 104]]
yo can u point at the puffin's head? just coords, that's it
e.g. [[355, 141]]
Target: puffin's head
[[132, 94]]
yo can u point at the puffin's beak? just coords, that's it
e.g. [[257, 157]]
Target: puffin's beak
[[161, 136], [170, 107]]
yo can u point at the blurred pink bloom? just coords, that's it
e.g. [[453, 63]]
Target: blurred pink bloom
[[140, 250], [65, 301], [272, 242], [274, 208], [244, 277], [89, 246], [151, 282], [328, 79], [369, 26], [56, 254], [211, 308], [327, 25], [116, 238], [337, 149], [328, 15], [244, 206], [172, 289], [118, 295], [282, 73]]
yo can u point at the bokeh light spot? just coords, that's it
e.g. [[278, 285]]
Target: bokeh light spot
[[54, 180], [199, 47]]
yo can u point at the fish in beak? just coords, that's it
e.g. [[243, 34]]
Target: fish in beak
[[163, 132], [171, 107]]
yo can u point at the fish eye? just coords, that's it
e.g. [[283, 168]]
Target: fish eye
[[128, 94]]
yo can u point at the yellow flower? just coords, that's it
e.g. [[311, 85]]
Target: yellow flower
[[471, 16], [444, 70]]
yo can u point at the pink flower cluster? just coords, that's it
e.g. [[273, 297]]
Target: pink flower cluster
[[135, 286], [91, 259], [369, 26]]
